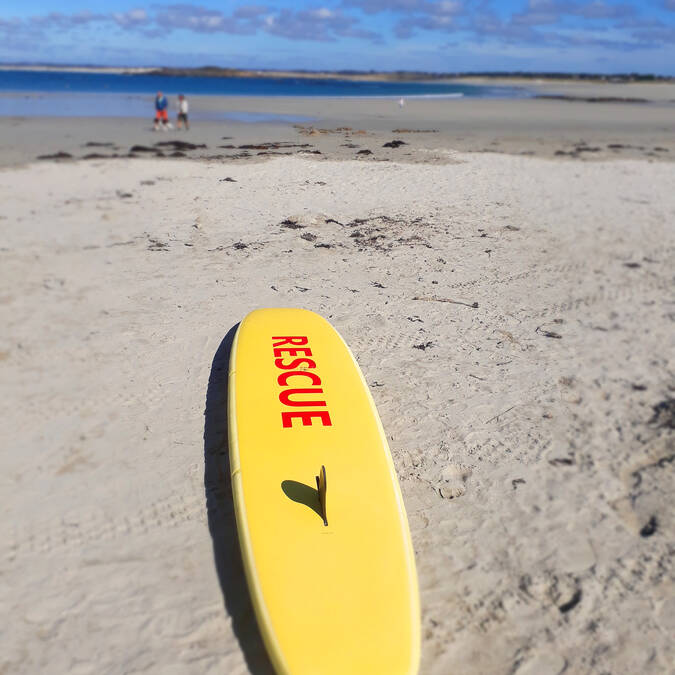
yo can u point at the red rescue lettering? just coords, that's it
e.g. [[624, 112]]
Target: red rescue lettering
[[306, 417], [285, 398], [313, 377], [305, 351], [290, 340], [279, 363], [306, 399]]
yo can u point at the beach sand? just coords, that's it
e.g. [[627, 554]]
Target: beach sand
[[347, 128], [513, 316]]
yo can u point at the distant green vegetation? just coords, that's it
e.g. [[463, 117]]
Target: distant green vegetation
[[405, 75]]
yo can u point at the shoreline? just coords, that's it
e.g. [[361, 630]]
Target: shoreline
[[112, 70], [429, 130]]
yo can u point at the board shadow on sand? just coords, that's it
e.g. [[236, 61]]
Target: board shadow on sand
[[221, 517]]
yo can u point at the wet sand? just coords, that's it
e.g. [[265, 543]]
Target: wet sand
[[430, 129]]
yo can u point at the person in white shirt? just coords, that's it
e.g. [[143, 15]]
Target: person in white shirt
[[182, 113]]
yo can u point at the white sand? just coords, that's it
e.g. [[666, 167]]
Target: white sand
[[528, 463]]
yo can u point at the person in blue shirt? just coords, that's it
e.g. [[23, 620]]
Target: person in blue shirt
[[161, 111]]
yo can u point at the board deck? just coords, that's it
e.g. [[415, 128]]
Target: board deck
[[331, 598]]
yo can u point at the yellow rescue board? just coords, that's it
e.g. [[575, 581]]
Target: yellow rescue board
[[307, 448]]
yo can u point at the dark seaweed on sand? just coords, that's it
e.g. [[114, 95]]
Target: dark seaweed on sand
[[56, 155], [292, 224], [273, 146], [423, 346], [664, 414], [180, 145]]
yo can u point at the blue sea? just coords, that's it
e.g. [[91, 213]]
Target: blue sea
[[64, 93]]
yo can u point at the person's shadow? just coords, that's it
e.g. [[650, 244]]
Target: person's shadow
[[221, 518]]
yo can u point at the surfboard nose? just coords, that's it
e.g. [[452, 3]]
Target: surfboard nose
[[366, 618]]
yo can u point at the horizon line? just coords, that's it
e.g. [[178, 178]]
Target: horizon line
[[346, 71]]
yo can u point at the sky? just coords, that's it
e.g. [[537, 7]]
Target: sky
[[600, 36]]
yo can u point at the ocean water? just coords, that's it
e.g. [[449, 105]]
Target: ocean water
[[63, 93]]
